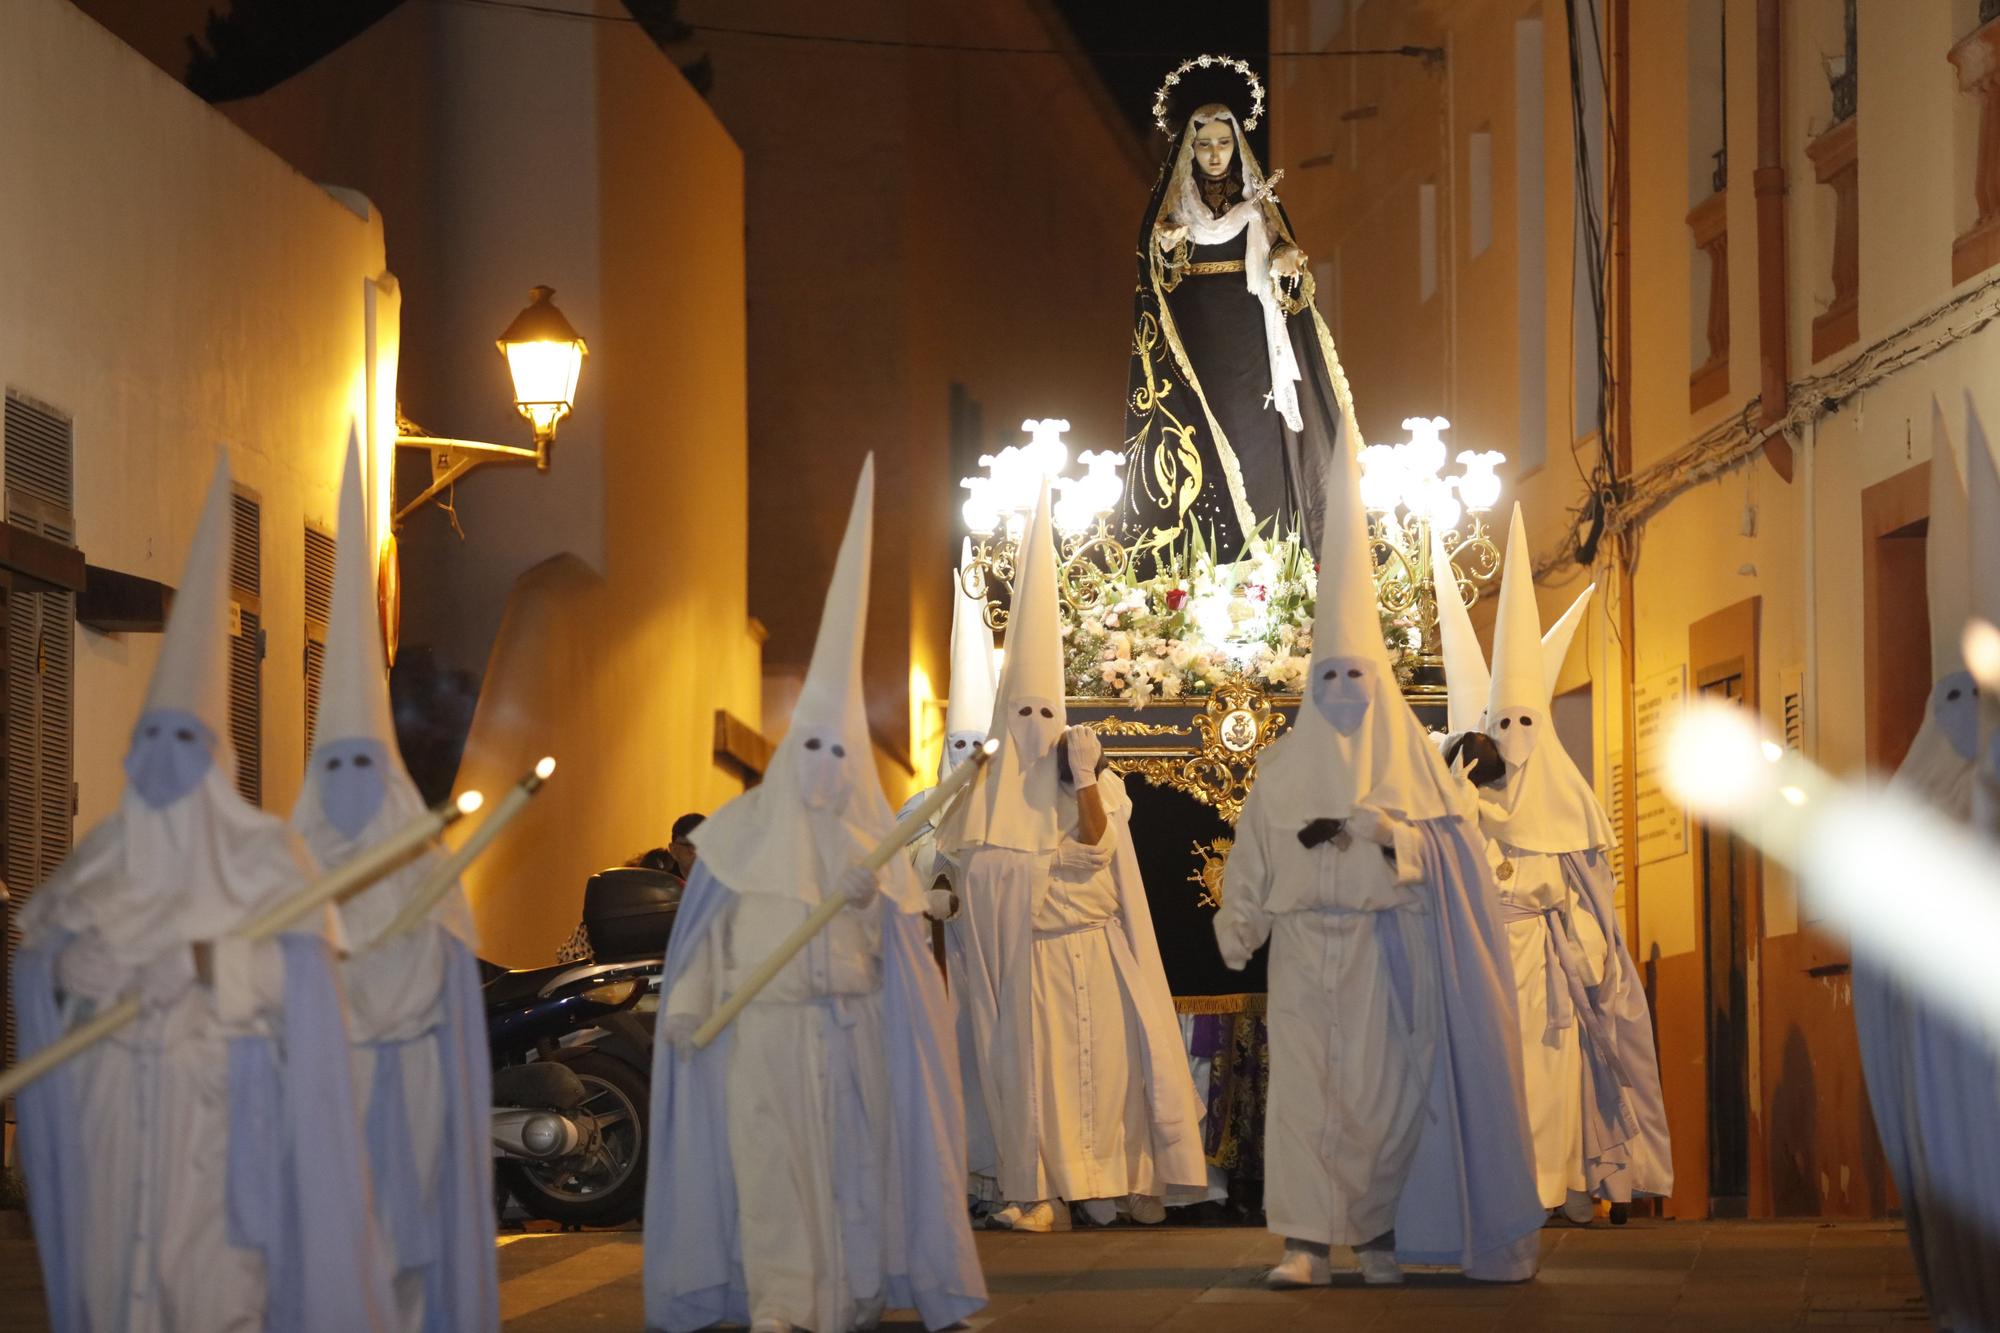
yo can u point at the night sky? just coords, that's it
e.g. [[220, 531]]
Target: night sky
[[1134, 43]]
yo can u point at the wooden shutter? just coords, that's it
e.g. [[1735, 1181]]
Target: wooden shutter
[[246, 648], [39, 667], [319, 610]]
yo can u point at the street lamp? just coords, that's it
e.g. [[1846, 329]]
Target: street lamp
[[544, 356]]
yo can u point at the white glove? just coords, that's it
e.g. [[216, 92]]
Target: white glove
[[166, 976], [1084, 751], [1081, 859], [940, 904], [679, 1031], [87, 968], [857, 885], [1371, 825]]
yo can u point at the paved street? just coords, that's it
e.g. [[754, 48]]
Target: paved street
[[1716, 1276]]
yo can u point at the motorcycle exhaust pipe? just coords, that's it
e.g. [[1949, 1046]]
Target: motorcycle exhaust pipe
[[536, 1135]]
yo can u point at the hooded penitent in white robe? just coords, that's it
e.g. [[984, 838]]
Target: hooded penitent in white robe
[[418, 1025], [968, 716], [1594, 1102], [1078, 1051], [1396, 1101], [203, 1168], [1934, 1086], [808, 1166]]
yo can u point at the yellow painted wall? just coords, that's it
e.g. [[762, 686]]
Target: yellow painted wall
[[173, 286], [916, 219], [620, 675], [601, 604]]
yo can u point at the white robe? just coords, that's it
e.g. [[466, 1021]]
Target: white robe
[[1535, 901], [784, 1105], [1077, 1052], [155, 1098], [395, 993], [1350, 1065]]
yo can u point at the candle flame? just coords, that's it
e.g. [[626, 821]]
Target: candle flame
[[1981, 646], [545, 766], [1712, 759], [469, 802]]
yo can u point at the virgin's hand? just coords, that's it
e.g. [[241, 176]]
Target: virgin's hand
[[1169, 235], [1288, 262], [857, 885]]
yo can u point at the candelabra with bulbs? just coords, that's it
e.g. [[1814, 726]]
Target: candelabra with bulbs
[[1407, 496], [999, 505]]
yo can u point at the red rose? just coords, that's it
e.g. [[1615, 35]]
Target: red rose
[[1176, 598]]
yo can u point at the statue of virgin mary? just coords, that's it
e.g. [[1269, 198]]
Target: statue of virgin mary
[[1236, 399]]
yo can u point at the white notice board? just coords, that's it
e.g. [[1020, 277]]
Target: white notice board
[[1657, 703]]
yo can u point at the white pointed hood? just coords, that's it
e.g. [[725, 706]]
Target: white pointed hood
[[820, 807], [1013, 801], [192, 674], [1544, 804], [968, 709], [353, 695], [1466, 679], [1938, 767], [1318, 770], [356, 765], [1982, 493], [1559, 636], [184, 856]]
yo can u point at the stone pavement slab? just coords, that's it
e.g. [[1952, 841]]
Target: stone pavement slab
[[1721, 1276]]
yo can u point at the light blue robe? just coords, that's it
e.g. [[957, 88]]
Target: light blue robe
[[694, 1270], [297, 1186], [450, 1239], [1470, 1199], [1625, 1145]]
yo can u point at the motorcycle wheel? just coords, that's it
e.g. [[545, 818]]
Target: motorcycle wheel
[[607, 1187]]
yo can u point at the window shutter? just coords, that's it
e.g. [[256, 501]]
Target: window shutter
[[39, 666], [246, 649], [319, 610]]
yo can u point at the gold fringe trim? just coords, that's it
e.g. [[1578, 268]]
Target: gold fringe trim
[[1253, 1004]]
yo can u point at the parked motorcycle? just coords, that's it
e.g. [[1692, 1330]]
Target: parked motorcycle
[[572, 1049]]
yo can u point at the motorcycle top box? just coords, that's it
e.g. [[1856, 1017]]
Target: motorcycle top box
[[629, 912]]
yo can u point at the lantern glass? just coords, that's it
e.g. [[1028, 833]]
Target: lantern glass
[[545, 359], [1381, 478]]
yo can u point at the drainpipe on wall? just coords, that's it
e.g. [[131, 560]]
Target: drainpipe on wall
[[1619, 202], [1774, 370]]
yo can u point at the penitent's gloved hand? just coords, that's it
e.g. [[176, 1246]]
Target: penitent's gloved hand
[[857, 885], [940, 903], [1081, 860], [1371, 825], [679, 1030], [1083, 750], [166, 976]]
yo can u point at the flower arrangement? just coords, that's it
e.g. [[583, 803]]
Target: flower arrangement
[[1196, 623]]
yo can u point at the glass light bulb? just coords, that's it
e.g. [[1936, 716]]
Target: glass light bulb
[[1381, 479], [1424, 455], [981, 516], [1480, 486]]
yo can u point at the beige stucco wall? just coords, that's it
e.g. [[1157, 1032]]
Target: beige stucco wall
[[601, 603], [916, 219], [173, 286]]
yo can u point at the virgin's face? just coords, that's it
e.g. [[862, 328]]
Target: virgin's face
[[1214, 147]]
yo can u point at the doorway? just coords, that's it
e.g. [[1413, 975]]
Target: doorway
[[1726, 983], [1723, 667]]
